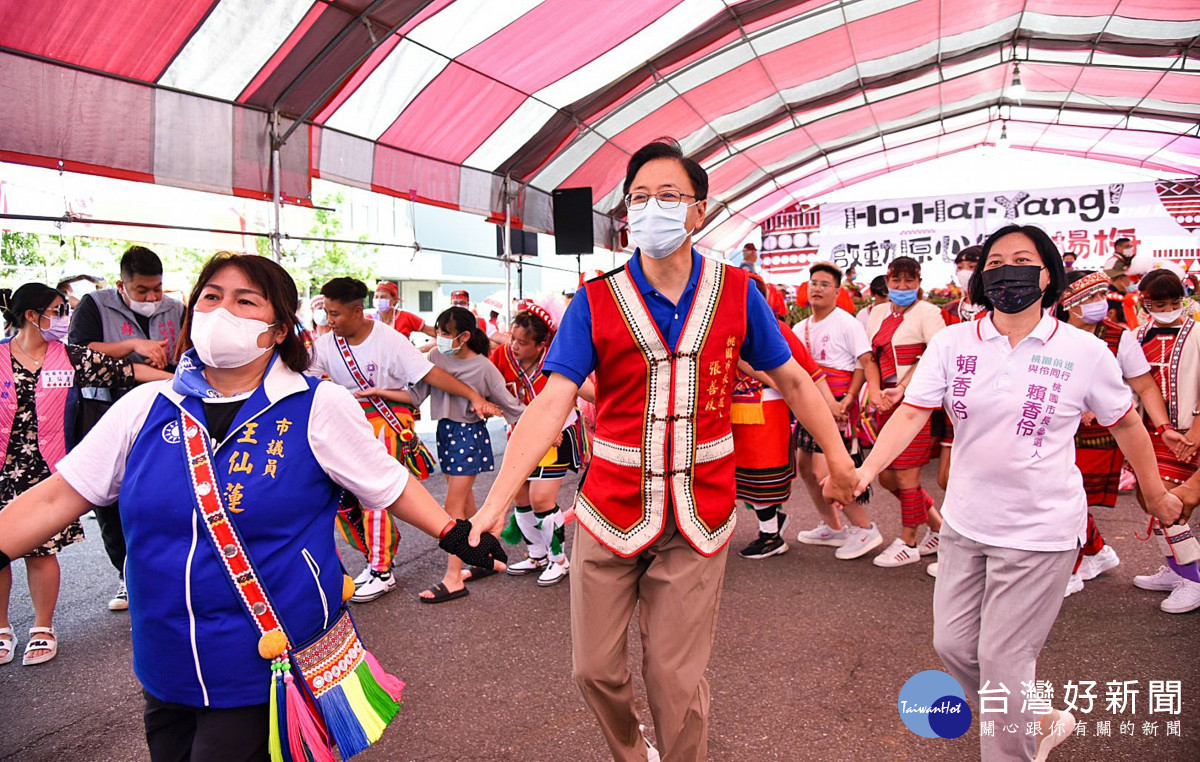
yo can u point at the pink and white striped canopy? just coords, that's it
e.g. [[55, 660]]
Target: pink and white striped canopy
[[440, 100]]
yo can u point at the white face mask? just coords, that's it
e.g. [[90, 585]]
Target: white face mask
[[1166, 318], [656, 231], [382, 304], [320, 317], [224, 340], [445, 345], [1093, 312], [964, 277], [145, 309]]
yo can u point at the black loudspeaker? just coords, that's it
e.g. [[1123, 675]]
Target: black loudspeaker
[[572, 220], [524, 242]]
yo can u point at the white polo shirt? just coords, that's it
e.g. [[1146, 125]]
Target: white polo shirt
[[835, 342], [1013, 480]]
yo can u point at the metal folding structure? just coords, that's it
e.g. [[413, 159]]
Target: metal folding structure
[[488, 105]]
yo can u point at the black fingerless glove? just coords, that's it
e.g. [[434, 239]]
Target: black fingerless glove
[[4, 560], [457, 541]]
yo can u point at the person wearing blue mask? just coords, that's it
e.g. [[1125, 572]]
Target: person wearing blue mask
[[41, 377], [899, 332]]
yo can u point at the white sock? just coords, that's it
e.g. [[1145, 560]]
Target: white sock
[[527, 522]]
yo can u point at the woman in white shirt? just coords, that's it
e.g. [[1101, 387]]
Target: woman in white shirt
[[1015, 383]]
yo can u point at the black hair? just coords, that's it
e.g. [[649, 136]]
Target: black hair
[[1161, 286], [879, 285], [1120, 241], [667, 148], [534, 324], [1051, 260], [278, 288], [458, 320], [138, 260], [345, 290], [1072, 277], [31, 296], [827, 267], [970, 254], [904, 266]]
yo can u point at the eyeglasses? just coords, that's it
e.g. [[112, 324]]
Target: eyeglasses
[[635, 202], [818, 285], [63, 310]]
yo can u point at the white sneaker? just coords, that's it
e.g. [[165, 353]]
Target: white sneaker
[[929, 545], [1184, 597], [378, 584], [1092, 566], [931, 570], [1161, 581], [527, 566], [859, 542], [363, 576], [823, 535], [897, 554], [120, 601], [554, 573], [1074, 585]]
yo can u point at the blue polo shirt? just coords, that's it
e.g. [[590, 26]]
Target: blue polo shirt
[[573, 353]]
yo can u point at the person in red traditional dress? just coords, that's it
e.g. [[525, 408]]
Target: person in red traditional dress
[[1171, 343], [1084, 305], [763, 439], [899, 333], [537, 519]]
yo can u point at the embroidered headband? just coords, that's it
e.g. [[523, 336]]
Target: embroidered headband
[[1082, 289], [541, 313], [388, 287]]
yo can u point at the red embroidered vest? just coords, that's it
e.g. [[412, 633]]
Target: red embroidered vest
[[663, 421]]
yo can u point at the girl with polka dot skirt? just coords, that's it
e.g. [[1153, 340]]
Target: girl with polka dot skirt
[[464, 447]]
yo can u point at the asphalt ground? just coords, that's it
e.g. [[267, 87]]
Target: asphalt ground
[[810, 656]]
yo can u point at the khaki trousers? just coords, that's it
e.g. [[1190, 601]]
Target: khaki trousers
[[679, 591]]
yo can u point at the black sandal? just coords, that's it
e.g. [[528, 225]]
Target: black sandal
[[441, 594], [475, 573]]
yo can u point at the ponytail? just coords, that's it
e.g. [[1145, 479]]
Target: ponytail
[[458, 320]]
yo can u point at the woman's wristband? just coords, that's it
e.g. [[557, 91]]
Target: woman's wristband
[[446, 530], [1160, 430]]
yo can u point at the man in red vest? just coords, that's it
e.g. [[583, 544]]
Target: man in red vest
[[663, 335]]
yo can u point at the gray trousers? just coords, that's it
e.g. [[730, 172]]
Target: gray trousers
[[992, 610]]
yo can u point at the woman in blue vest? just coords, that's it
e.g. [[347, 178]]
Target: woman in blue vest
[[38, 378], [282, 447]]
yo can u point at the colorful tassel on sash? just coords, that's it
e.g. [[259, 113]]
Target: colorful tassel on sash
[[417, 459], [278, 709], [307, 739], [389, 682], [359, 707], [747, 413]]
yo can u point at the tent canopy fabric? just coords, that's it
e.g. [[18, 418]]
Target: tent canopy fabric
[[441, 100]]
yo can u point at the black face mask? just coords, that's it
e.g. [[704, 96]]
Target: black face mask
[[1012, 288]]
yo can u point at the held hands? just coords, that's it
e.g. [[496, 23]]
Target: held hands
[[486, 409], [155, 352], [1189, 496], [840, 485], [484, 550], [1088, 418], [1166, 507], [370, 391], [893, 396], [1183, 448]]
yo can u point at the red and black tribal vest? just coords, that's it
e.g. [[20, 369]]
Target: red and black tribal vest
[[663, 419]]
